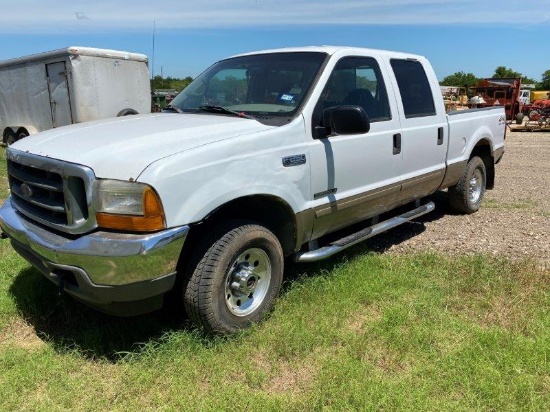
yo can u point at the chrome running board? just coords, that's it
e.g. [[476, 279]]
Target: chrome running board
[[351, 240]]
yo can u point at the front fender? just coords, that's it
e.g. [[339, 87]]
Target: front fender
[[193, 184]]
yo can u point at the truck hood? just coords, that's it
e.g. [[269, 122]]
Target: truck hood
[[121, 148]]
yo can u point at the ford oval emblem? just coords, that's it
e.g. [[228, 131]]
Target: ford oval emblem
[[26, 190]]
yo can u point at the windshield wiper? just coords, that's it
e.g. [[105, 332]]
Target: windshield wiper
[[172, 108], [223, 110]]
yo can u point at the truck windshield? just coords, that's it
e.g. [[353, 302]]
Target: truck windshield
[[259, 85]]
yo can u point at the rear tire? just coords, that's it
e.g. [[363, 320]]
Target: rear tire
[[235, 277], [466, 196], [22, 133]]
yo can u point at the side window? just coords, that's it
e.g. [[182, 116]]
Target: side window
[[357, 81], [416, 93]]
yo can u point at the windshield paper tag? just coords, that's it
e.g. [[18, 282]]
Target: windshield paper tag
[[287, 97]]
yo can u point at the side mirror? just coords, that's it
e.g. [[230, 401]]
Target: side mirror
[[342, 120]]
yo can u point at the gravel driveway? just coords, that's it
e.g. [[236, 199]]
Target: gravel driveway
[[514, 219]]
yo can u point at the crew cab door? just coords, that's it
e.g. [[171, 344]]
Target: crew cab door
[[424, 135], [355, 176]]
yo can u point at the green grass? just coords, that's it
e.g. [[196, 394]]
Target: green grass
[[4, 187], [524, 204], [362, 331], [359, 332]]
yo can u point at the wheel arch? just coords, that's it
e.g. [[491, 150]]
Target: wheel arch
[[126, 112], [18, 131], [267, 210]]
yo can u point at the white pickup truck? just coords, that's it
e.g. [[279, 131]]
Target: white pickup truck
[[296, 153]]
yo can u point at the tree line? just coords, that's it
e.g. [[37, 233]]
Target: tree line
[[469, 79], [159, 82]]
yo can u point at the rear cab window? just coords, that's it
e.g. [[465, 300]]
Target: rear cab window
[[414, 87]]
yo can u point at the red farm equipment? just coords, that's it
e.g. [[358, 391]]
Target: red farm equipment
[[499, 92]]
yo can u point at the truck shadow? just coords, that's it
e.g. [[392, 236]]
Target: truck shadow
[[69, 325], [408, 230]]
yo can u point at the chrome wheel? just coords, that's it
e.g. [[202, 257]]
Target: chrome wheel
[[466, 196], [475, 188], [237, 272], [247, 282]]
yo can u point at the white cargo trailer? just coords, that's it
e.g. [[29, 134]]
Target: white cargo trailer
[[72, 85]]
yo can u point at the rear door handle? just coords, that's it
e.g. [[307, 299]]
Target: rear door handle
[[397, 143]]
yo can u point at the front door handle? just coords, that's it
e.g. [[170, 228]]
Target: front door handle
[[440, 136], [397, 143]]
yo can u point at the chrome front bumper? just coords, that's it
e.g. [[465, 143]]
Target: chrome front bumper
[[123, 274]]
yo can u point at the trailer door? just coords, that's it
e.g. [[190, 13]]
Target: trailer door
[[58, 88]]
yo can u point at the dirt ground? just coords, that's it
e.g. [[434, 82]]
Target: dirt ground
[[514, 219]]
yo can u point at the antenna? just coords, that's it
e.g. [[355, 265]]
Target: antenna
[[153, 57]]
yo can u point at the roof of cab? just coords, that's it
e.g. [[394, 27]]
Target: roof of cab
[[330, 50]]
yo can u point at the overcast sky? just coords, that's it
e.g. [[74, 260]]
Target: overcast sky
[[467, 35]]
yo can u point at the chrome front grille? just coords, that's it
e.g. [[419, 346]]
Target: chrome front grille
[[39, 191], [54, 193]]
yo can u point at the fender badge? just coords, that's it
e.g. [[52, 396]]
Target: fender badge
[[294, 160]]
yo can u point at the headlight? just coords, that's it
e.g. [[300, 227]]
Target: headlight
[[127, 206]]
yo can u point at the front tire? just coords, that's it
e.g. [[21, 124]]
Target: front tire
[[9, 138], [519, 118], [236, 277], [467, 194]]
